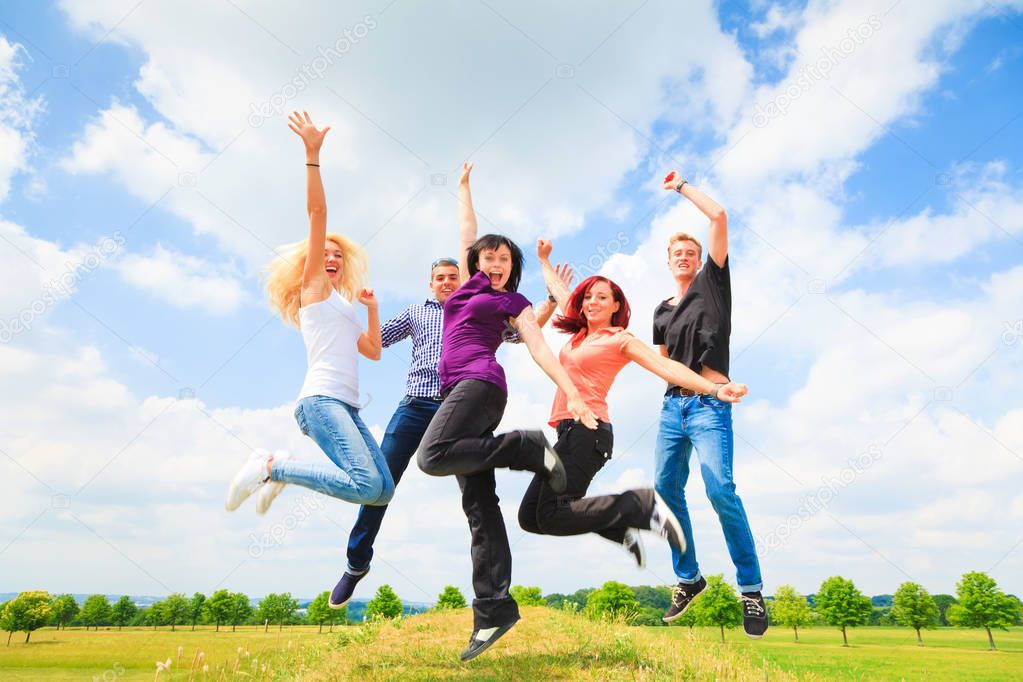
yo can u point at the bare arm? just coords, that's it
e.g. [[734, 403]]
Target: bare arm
[[370, 343], [717, 239], [676, 373], [558, 280], [530, 333], [314, 277], [467, 228]]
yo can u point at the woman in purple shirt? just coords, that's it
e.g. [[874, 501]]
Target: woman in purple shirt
[[460, 440]]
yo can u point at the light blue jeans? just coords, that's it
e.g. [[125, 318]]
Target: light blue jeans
[[706, 424], [359, 472]]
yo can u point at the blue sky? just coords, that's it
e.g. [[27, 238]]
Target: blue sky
[[894, 183]]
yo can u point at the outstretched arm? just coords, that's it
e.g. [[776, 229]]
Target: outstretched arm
[[676, 373], [717, 239], [466, 222], [531, 335], [314, 277]]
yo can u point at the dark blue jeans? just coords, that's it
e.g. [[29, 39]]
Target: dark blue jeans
[[404, 432]]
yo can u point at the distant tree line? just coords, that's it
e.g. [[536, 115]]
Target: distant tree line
[[978, 603]]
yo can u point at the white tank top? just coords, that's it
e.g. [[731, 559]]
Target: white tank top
[[330, 330]]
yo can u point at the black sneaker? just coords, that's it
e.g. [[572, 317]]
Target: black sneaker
[[557, 479], [345, 588], [664, 522], [480, 640], [754, 615], [682, 596], [633, 544]]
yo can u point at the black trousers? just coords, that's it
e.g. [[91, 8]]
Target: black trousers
[[584, 452], [460, 441]]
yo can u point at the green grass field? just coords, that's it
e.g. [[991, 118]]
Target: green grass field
[[546, 644], [876, 653]]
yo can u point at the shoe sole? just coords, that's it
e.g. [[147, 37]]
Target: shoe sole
[[754, 636], [486, 645], [673, 522], [264, 500], [343, 604], [557, 477], [678, 615]]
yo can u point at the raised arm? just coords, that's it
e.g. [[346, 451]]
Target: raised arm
[[717, 239], [558, 280], [676, 373], [546, 309], [531, 335], [466, 222], [370, 343], [314, 277]]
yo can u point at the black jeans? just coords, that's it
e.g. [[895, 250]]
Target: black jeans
[[584, 452], [460, 441]]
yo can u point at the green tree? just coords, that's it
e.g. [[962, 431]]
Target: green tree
[[26, 613], [95, 611], [156, 615], [841, 604], [944, 601], [64, 610], [195, 605], [718, 605], [319, 611], [384, 604], [218, 607], [914, 608], [983, 605], [123, 612], [451, 598], [612, 601], [790, 609], [276, 608], [240, 610], [527, 596], [177, 610]]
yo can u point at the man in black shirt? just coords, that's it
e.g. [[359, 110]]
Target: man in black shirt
[[693, 328]]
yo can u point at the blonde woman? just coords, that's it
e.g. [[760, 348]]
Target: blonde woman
[[316, 295]]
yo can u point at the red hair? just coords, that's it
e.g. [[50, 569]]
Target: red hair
[[574, 319]]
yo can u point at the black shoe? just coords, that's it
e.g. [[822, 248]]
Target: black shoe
[[754, 615], [633, 544], [557, 479], [682, 596], [345, 588], [477, 646], [664, 522]]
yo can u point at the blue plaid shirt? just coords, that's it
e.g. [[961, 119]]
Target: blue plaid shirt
[[423, 322]]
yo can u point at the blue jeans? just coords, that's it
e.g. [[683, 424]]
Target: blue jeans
[[706, 424], [404, 432], [358, 474]]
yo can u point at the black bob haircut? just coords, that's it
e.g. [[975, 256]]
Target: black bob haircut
[[492, 242]]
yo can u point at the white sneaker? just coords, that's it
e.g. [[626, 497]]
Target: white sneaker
[[248, 480], [269, 492], [664, 522], [633, 544]]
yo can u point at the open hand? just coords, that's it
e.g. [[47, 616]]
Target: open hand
[[565, 273], [581, 413], [466, 169], [303, 126]]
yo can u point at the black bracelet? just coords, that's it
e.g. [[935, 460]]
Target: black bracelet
[[550, 297], [678, 187], [313, 164]]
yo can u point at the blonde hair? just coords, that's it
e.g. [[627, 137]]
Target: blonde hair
[[685, 237], [284, 275]]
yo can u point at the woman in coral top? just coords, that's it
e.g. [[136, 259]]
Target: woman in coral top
[[596, 313]]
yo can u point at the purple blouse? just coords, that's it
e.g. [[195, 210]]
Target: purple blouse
[[475, 323]]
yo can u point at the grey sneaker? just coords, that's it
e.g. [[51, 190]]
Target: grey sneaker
[[682, 596], [633, 544]]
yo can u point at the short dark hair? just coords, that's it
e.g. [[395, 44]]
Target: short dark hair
[[492, 242]]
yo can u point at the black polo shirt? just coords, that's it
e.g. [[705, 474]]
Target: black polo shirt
[[696, 330]]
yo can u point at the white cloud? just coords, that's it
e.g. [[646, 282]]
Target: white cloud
[[184, 281], [17, 113]]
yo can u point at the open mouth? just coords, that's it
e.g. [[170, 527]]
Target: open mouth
[[331, 269], [495, 277]]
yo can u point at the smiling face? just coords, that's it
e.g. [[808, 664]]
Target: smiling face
[[684, 259], [444, 281], [599, 305], [333, 260], [497, 264]]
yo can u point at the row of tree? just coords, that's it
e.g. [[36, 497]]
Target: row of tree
[[979, 603], [30, 611]]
